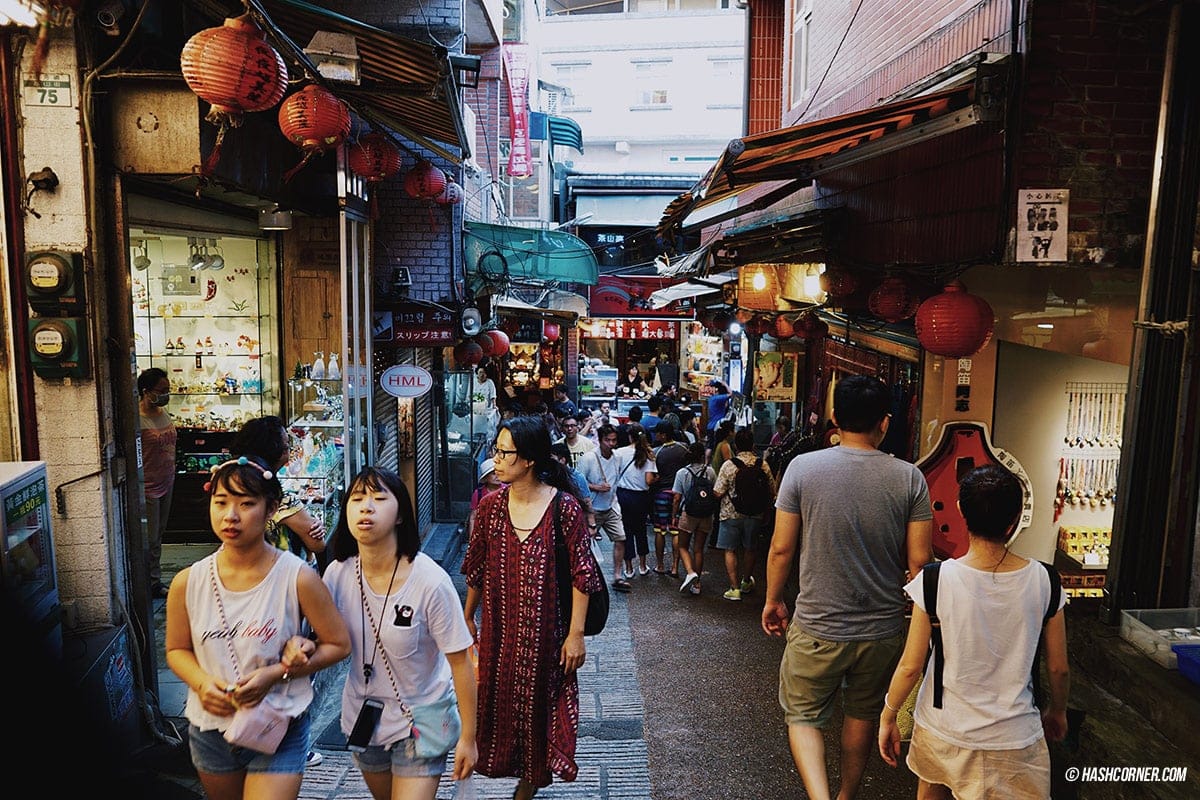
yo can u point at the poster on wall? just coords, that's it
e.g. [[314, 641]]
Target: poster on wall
[[629, 296], [405, 428], [775, 377], [1042, 224]]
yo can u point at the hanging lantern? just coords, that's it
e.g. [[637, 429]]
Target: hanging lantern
[[838, 283], [759, 324], [744, 315], [314, 120], [425, 181], [468, 352], [500, 343], [486, 344], [893, 300], [550, 331], [452, 195], [233, 69], [374, 158], [783, 328], [721, 320], [810, 327], [955, 323]]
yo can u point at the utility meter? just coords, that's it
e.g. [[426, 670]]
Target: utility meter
[[54, 282]]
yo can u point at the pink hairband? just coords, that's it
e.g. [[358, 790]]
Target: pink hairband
[[240, 461]]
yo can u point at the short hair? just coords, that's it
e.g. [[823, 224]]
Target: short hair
[[262, 437], [666, 430], [784, 422], [990, 499], [605, 430], [149, 379], [635, 413], [743, 440], [696, 452], [860, 402], [654, 404], [560, 387]]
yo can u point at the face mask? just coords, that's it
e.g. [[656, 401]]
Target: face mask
[[161, 400]]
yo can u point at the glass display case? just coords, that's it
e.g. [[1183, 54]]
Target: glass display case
[[27, 568], [203, 311], [703, 357], [597, 382], [316, 468]]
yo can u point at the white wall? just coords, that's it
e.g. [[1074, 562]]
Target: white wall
[[1030, 423]]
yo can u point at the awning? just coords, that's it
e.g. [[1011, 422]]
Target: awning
[[550, 300], [499, 254], [687, 264], [406, 85], [692, 288], [792, 156]]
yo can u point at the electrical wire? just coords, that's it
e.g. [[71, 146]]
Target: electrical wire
[[832, 58]]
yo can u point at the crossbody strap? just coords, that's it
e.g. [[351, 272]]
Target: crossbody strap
[[387, 667], [212, 574], [929, 577]]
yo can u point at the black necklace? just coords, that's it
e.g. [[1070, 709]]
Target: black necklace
[[369, 666]]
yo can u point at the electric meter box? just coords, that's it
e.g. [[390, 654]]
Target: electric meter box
[[54, 283], [58, 347]]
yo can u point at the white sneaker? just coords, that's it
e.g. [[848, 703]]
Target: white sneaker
[[313, 758], [688, 581]]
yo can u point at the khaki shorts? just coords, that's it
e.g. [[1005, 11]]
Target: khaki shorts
[[812, 671], [1022, 774], [610, 522], [703, 525]]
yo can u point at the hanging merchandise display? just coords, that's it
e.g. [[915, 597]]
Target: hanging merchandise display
[[314, 120], [893, 300], [955, 323], [236, 71]]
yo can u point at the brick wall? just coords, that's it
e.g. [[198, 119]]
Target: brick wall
[[439, 17], [768, 29]]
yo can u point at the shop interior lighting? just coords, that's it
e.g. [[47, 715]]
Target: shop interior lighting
[[215, 260], [141, 262], [20, 12], [274, 219], [812, 282], [759, 282], [735, 329]]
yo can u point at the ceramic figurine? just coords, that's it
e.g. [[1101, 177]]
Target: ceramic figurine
[[333, 372], [318, 367]]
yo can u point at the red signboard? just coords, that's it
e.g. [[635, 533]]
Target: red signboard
[[629, 296], [412, 324], [629, 328], [516, 63]]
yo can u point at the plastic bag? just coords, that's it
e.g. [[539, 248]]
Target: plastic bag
[[465, 789]]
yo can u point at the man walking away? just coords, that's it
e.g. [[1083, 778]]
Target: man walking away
[[866, 519], [745, 498], [600, 468]]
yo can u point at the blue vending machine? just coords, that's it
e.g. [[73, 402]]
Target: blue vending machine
[[27, 570]]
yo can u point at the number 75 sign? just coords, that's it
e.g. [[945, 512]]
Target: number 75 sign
[[52, 89]]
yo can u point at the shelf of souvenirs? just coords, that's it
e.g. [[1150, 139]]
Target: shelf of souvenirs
[[1085, 547], [317, 457]]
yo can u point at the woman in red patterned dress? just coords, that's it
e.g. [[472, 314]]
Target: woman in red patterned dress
[[528, 656]]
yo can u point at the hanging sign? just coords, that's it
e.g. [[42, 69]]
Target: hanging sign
[[406, 380], [522, 329], [516, 64], [625, 297], [413, 324], [629, 328]]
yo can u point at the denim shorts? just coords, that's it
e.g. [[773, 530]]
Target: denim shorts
[[738, 533], [402, 759], [212, 754]]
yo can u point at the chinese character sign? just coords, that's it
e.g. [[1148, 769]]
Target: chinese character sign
[[629, 328], [1042, 224], [516, 64]]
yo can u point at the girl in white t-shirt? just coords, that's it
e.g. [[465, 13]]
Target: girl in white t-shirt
[[409, 640], [988, 740]]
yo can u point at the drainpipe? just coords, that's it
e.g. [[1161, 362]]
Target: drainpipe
[[1151, 561], [747, 44]]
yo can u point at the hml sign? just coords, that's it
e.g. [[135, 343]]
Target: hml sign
[[406, 380]]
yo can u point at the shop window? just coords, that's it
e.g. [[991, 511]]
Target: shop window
[[521, 196], [801, 22]]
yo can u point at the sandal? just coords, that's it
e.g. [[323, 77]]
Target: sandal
[[622, 585]]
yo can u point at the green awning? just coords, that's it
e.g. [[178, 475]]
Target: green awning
[[565, 131], [499, 254]]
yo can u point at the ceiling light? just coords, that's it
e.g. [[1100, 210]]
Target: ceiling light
[[812, 282], [735, 329], [335, 56], [1046, 326], [274, 219], [759, 282]]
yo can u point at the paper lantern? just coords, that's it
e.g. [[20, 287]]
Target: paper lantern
[[759, 324], [486, 344], [233, 68], [500, 344], [809, 327], [783, 328], [374, 158], [955, 323], [893, 300], [424, 181], [744, 315], [838, 283], [235, 71], [452, 195], [314, 120], [468, 352], [550, 331]]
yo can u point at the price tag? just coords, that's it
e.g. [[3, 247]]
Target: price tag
[[51, 89]]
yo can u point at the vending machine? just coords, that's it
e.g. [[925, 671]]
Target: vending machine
[[27, 570]]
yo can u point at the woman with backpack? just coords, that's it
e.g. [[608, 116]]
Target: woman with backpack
[[693, 506]]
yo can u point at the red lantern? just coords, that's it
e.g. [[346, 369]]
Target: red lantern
[[955, 323], [486, 344], [452, 195], [499, 342], [468, 352], [893, 300], [551, 331], [314, 120], [234, 70], [425, 181], [744, 315], [721, 320], [783, 328], [374, 158], [758, 325], [838, 283], [809, 326]]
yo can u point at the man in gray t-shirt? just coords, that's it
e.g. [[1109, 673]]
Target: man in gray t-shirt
[[860, 518]]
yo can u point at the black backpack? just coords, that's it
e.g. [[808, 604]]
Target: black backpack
[[700, 500], [752, 493], [929, 582]]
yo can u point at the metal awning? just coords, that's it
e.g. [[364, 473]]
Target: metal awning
[[691, 288], [687, 264], [406, 85], [548, 301], [502, 254], [791, 157]]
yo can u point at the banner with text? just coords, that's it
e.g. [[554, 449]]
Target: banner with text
[[516, 64]]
